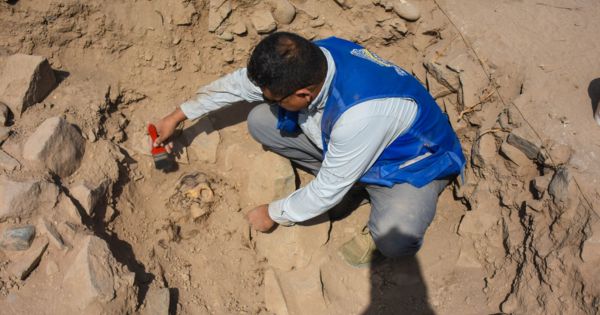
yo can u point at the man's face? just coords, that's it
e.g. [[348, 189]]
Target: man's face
[[294, 102]]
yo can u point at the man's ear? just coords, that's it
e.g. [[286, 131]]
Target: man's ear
[[304, 93]]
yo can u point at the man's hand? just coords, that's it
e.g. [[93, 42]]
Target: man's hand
[[260, 220], [166, 127]]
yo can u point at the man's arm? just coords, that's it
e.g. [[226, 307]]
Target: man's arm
[[232, 88], [357, 140]]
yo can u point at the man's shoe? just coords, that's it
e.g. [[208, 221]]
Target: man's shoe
[[360, 251]]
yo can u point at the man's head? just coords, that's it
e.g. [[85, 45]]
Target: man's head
[[289, 69]]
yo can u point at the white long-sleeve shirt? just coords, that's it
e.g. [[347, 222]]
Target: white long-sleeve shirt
[[358, 138]]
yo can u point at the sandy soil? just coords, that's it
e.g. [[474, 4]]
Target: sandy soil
[[498, 68]]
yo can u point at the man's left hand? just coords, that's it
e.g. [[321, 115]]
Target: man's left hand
[[260, 220]]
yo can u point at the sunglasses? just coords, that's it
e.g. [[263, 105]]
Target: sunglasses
[[275, 102]]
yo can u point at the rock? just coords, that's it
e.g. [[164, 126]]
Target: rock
[[183, 12], [444, 76], [540, 184], [345, 4], [4, 111], [226, 36], [218, 11], [317, 23], [22, 266], [239, 29], [484, 151], [263, 21], [270, 177], [20, 199], [90, 276], [476, 222], [274, 298], [514, 155], [283, 11], [17, 238], [50, 231], [288, 248], [57, 145], [88, 197], [4, 133], [203, 141], [157, 302], [68, 209], [7, 162], [405, 10], [560, 154], [24, 81], [525, 140], [561, 189], [399, 25]]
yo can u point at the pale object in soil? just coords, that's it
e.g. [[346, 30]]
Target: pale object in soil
[[88, 197], [57, 145], [22, 266], [24, 81], [406, 10], [263, 22], [239, 28], [17, 238], [22, 198], [283, 12]]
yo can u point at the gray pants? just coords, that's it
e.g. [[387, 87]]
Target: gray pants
[[399, 215]]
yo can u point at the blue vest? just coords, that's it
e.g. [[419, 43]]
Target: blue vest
[[428, 150]]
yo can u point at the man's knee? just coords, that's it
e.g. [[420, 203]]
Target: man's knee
[[260, 122], [397, 244]]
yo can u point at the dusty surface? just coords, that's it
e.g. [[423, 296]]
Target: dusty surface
[[519, 236]]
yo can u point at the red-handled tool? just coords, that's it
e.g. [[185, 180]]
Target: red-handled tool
[[162, 161]]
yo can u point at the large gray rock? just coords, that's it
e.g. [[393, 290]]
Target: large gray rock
[[525, 139], [91, 277], [17, 238], [57, 145], [21, 198], [24, 81], [263, 22], [157, 302]]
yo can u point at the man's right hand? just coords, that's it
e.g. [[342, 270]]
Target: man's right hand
[[166, 128]]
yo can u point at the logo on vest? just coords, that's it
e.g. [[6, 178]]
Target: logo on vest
[[368, 55]]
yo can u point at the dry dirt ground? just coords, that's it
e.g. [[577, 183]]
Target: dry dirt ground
[[520, 235]]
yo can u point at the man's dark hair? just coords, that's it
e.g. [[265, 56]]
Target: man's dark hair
[[285, 62]]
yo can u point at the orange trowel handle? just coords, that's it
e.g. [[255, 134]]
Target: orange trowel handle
[[153, 135]]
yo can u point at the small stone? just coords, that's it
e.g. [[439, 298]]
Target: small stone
[[87, 197], [22, 266], [218, 11], [24, 81], [345, 4], [444, 76], [17, 238], [49, 229], [399, 25], [525, 140], [484, 151], [7, 162], [4, 133], [540, 184], [283, 12], [226, 36], [406, 10], [559, 187], [514, 155], [57, 145], [157, 302], [4, 111], [239, 28], [203, 140], [183, 12], [317, 23], [263, 22], [560, 154]]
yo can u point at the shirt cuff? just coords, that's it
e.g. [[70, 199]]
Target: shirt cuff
[[191, 111], [276, 213]]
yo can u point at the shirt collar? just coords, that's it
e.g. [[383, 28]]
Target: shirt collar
[[319, 101]]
